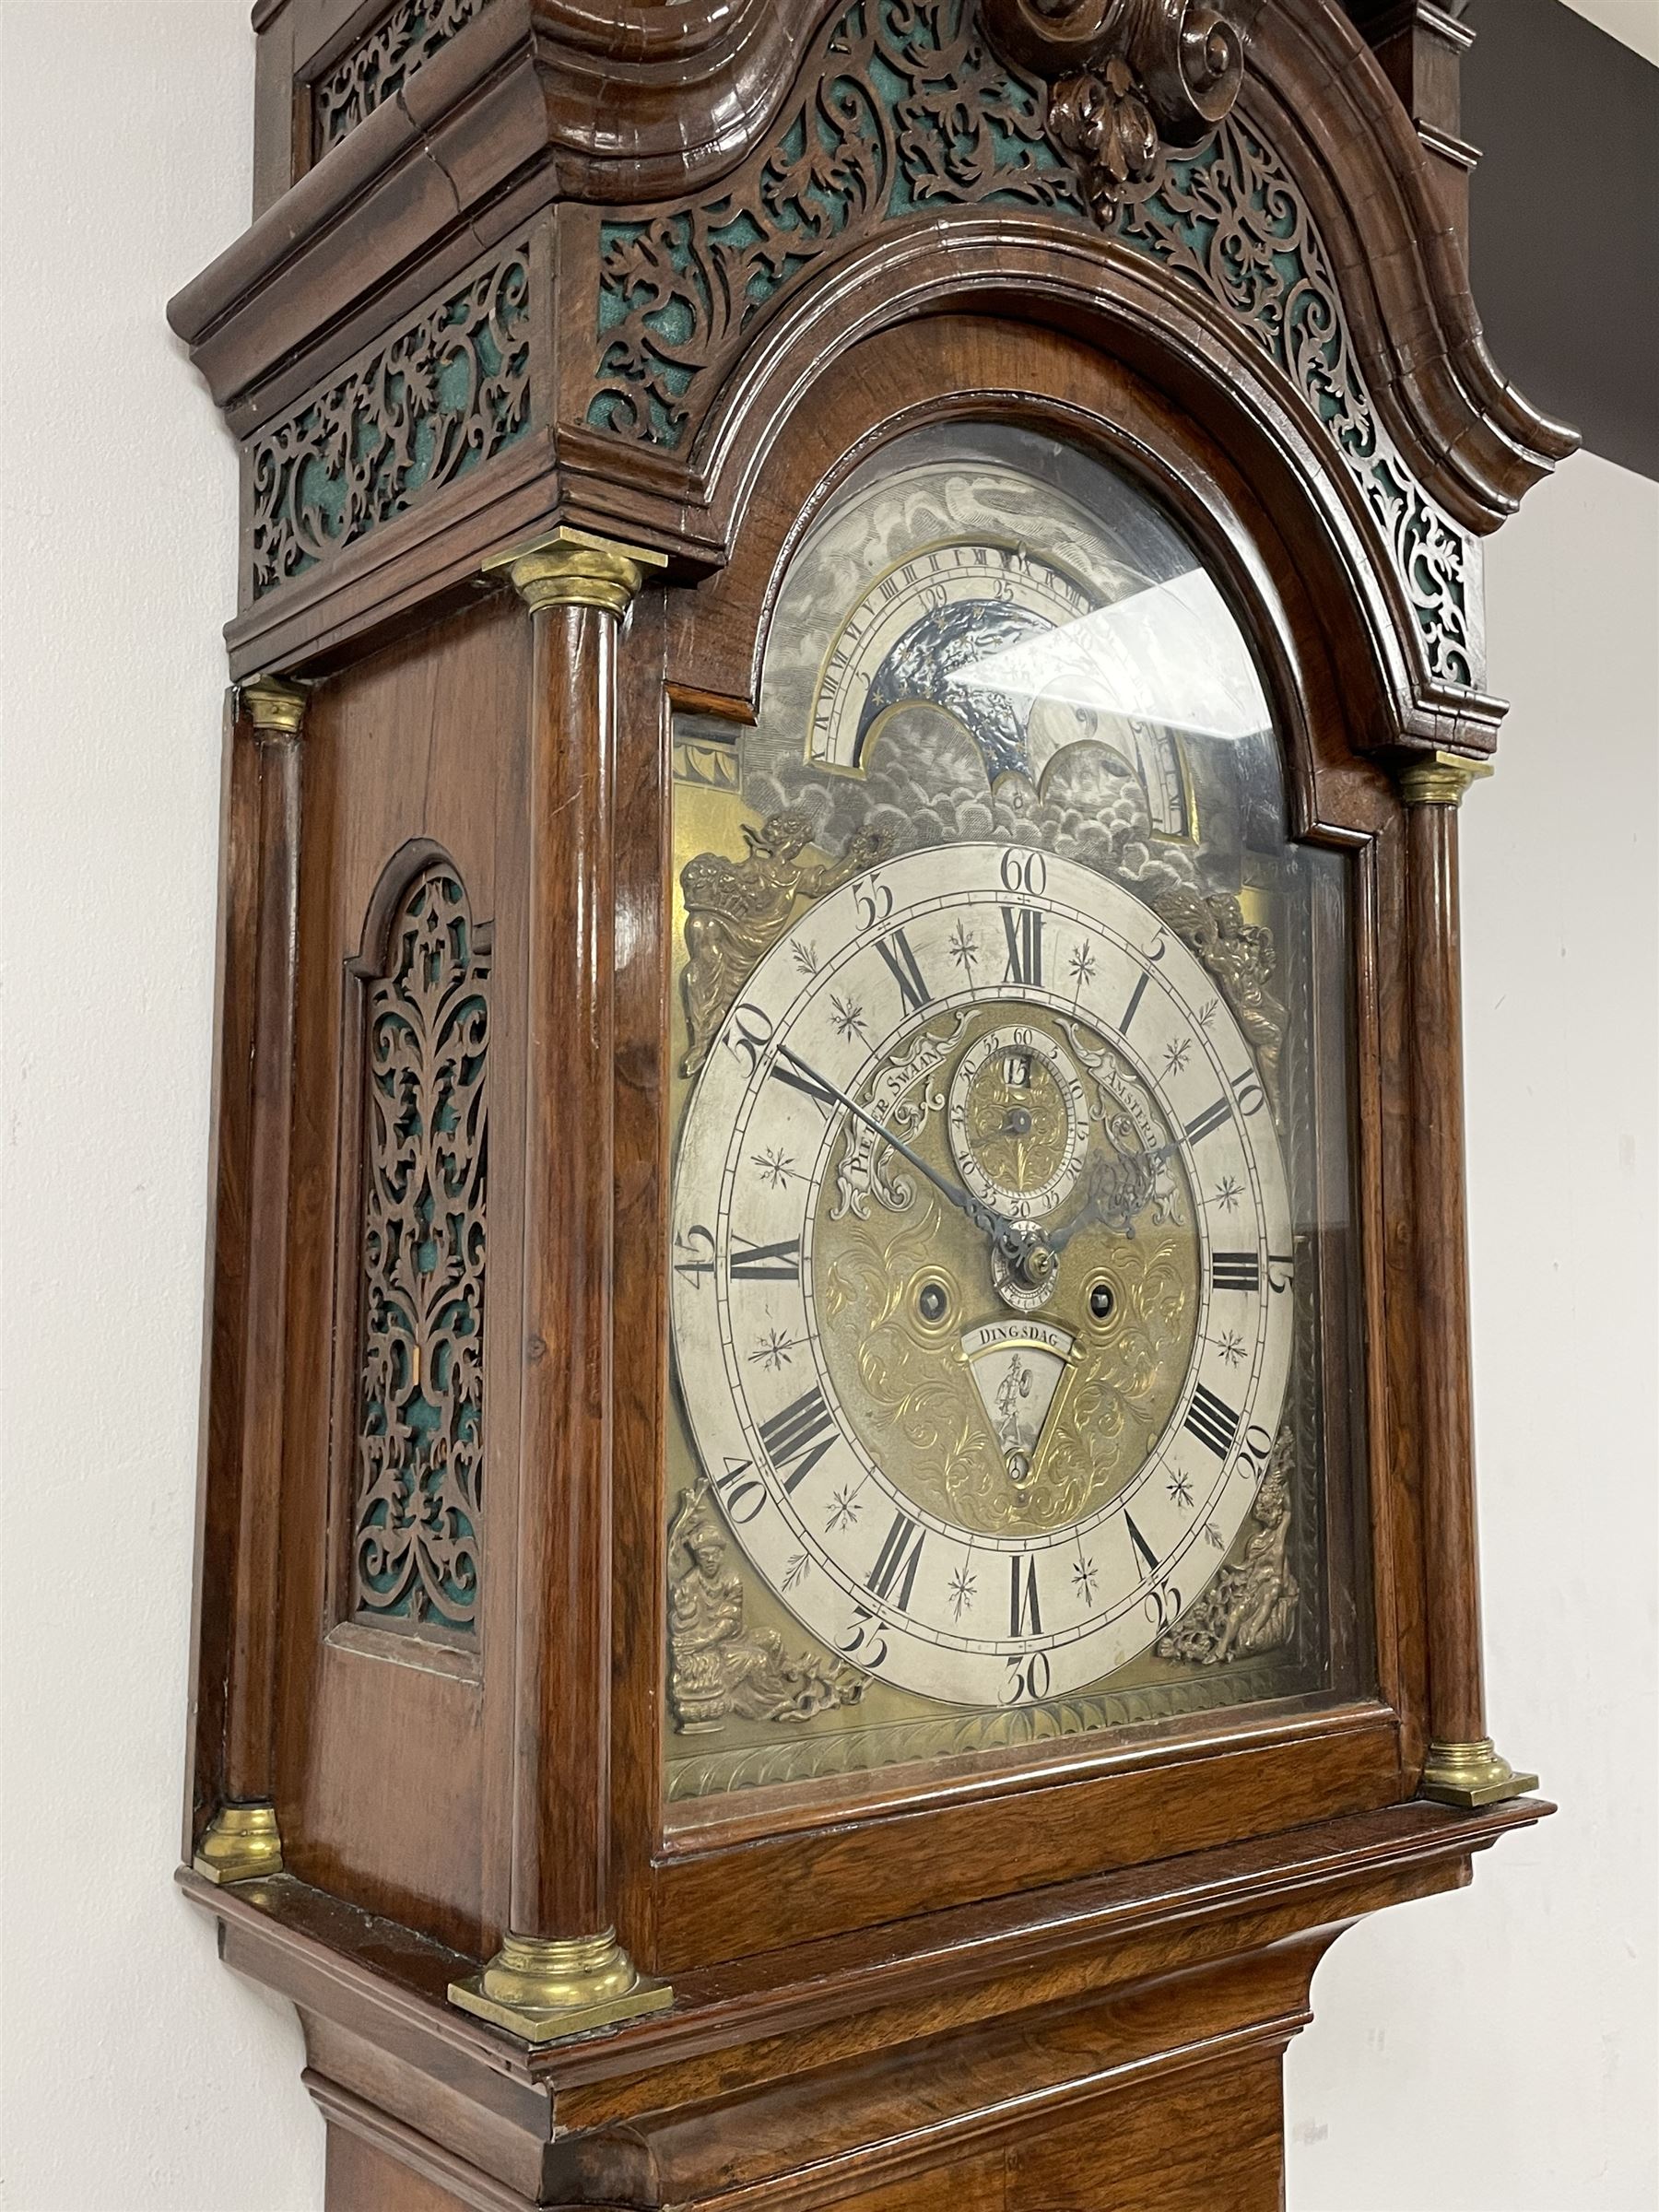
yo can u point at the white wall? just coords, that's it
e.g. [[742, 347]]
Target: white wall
[[1492, 2050], [138, 2072]]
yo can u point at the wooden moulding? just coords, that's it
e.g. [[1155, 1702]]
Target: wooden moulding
[[832, 2068], [524, 111]]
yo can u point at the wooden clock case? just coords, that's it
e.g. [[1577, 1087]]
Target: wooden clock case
[[549, 341]]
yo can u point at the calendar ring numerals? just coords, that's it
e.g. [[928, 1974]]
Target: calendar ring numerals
[[883, 999]]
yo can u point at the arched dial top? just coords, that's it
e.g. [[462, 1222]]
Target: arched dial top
[[982, 1256]]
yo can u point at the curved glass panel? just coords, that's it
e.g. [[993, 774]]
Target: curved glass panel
[[1013, 1281]]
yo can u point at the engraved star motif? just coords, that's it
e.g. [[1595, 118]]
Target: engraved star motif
[[1084, 1576], [843, 1510], [776, 1167], [1180, 1489], [1229, 1346], [1177, 1055], [964, 949], [1227, 1194], [962, 1588], [773, 1349], [848, 1016], [1082, 966]]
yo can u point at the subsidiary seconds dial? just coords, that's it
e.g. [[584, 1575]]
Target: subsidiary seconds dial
[[982, 1248]]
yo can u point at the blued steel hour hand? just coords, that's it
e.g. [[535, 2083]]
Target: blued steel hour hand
[[1117, 1192], [1024, 1248]]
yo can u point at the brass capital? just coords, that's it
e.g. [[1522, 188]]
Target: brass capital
[[241, 1845], [572, 568], [542, 1990], [1472, 1774], [1440, 778], [274, 706]]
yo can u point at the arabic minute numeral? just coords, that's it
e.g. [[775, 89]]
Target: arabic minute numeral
[[1254, 1449], [862, 1640], [1247, 1090], [699, 1242], [751, 1033], [1163, 1606], [875, 903], [740, 1499], [1025, 872], [1028, 1680], [803, 1432]]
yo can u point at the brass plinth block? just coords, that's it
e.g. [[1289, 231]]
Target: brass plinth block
[[241, 1845], [1472, 1774], [272, 705], [574, 568], [1440, 778], [542, 1991]]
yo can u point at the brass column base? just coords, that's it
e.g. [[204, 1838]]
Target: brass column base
[[241, 1844], [542, 1991], [1472, 1774]]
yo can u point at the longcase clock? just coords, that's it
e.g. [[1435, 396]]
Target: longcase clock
[[838, 1525]]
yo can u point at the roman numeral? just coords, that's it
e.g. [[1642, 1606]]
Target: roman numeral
[[1212, 1420], [1211, 1119], [896, 951], [795, 1434], [1025, 1614], [1022, 927], [1235, 1271], [808, 1086], [1143, 1550], [767, 1263], [1133, 1008], [897, 1562]]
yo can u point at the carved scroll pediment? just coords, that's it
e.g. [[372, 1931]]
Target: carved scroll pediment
[[1128, 77], [906, 112]]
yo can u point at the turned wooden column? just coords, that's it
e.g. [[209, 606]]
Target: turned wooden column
[[242, 1840], [1463, 1768], [561, 1969]]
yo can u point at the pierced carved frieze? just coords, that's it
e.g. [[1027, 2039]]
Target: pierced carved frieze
[[376, 69], [720, 1668], [1228, 219], [437, 398], [904, 110], [908, 109], [417, 1513]]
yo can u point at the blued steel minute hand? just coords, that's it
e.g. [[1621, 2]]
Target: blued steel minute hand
[[1016, 1241]]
